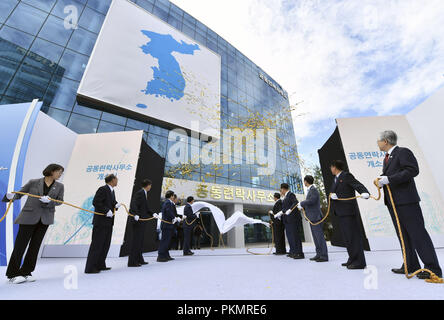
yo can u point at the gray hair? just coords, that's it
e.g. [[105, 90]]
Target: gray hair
[[390, 136]]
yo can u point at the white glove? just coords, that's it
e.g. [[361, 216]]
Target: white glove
[[365, 195], [155, 215], [197, 214], [277, 215], [178, 219], [136, 217], [270, 212], [45, 199], [10, 196], [299, 206], [383, 180], [333, 196], [118, 205], [288, 212], [109, 214]]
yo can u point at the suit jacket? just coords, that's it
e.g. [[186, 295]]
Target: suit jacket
[[345, 187], [168, 214], [189, 214], [401, 169], [104, 200], [139, 205], [34, 210], [289, 202], [276, 208], [312, 205]]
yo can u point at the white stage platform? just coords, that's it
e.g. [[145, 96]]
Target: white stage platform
[[226, 274]]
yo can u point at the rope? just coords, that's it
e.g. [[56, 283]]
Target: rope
[[272, 242]]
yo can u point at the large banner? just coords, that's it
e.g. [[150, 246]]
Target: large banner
[[94, 156], [142, 64], [359, 137], [16, 126]]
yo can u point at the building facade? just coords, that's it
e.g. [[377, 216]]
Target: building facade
[[45, 46]]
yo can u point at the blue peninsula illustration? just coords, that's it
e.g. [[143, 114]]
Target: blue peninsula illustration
[[168, 80]]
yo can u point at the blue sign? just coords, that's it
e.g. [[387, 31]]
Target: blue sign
[[16, 125]]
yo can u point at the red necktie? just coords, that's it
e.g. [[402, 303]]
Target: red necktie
[[386, 159]]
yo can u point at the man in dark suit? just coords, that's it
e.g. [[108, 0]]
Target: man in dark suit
[[104, 202], [312, 207], [344, 186], [278, 226], [400, 167], [292, 220], [139, 208], [168, 214], [189, 223]]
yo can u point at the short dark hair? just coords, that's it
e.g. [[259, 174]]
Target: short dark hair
[[110, 178], [285, 186], [309, 179], [168, 194], [190, 198], [146, 183], [50, 169], [277, 195], [338, 164], [175, 196]]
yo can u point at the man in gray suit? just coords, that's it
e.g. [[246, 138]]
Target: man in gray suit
[[36, 215], [312, 207]]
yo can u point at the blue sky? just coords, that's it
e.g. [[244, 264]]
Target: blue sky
[[341, 58]]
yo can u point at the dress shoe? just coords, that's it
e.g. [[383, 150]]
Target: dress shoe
[[105, 269], [279, 253], [134, 265], [345, 264], [314, 258], [426, 275], [162, 259], [188, 253], [93, 271], [170, 258], [398, 271], [143, 263], [321, 260], [299, 256], [355, 267]]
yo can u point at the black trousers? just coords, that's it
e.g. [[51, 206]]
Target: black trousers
[[98, 250], [353, 240], [416, 238], [279, 236], [294, 240], [30, 236], [187, 234], [164, 244], [136, 253], [319, 240]]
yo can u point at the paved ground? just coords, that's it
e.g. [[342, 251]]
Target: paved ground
[[226, 274]]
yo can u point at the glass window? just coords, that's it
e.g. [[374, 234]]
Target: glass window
[[27, 18], [44, 55], [109, 127], [138, 125], [82, 41], [45, 5], [91, 20], [55, 31], [72, 65], [20, 87], [100, 5], [15, 38], [82, 124], [188, 30], [87, 111], [64, 93], [158, 130], [158, 144], [147, 5], [6, 7], [162, 14], [175, 22], [59, 115], [114, 118]]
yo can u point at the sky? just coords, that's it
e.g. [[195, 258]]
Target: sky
[[336, 58]]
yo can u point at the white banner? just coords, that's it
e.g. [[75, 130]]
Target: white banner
[[94, 156], [142, 64]]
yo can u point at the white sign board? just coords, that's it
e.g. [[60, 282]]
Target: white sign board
[[142, 64]]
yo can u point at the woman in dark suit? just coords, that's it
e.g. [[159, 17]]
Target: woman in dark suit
[[36, 215]]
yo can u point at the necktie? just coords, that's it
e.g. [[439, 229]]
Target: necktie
[[386, 159]]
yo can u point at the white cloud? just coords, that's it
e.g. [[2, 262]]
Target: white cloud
[[340, 57]]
